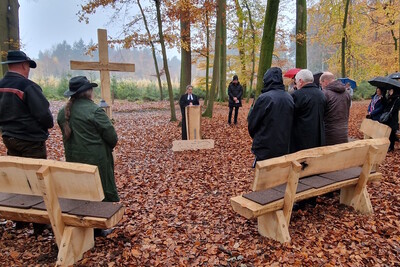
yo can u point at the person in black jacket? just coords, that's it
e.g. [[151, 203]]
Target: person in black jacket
[[270, 121], [187, 99], [309, 109], [235, 92], [392, 106], [25, 116]]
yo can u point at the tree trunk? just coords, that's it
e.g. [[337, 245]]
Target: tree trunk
[[253, 48], [301, 34], [186, 53], [222, 75], [267, 42], [165, 60], [153, 50], [207, 57], [240, 44], [9, 29], [346, 11], [215, 76]]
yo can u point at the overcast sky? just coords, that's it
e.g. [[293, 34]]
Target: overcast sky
[[45, 23]]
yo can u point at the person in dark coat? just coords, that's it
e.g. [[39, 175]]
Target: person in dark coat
[[309, 109], [393, 105], [88, 134], [377, 105], [25, 116], [270, 121], [187, 99], [235, 92], [337, 111]]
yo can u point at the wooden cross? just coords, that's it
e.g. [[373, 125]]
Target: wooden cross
[[104, 66]]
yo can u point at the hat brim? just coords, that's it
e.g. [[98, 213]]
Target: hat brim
[[83, 88], [32, 64]]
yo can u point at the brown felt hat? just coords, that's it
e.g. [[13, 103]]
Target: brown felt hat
[[16, 56]]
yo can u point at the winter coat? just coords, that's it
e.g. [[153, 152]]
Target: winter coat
[[393, 101], [235, 90], [24, 111], [337, 111], [376, 111], [270, 121], [308, 122], [92, 140]]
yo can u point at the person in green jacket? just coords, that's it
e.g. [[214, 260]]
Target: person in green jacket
[[88, 134]]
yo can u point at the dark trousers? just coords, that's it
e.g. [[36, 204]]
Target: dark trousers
[[23, 148], [184, 133], [230, 115], [392, 138], [26, 149]]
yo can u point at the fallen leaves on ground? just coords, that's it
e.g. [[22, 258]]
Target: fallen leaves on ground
[[178, 211]]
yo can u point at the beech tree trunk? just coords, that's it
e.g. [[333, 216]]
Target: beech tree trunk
[[301, 34], [267, 42], [165, 61], [186, 53]]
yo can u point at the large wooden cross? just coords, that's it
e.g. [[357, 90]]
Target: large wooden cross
[[104, 66]]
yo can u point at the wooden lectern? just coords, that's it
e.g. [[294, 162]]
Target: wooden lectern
[[193, 130]]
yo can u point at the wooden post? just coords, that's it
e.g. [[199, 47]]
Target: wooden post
[[104, 66]]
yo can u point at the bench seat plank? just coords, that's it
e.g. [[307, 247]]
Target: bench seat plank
[[264, 197], [66, 204], [4, 196], [250, 209], [41, 216], [21, 201], [96, 209], [316, 181], [343, 175]]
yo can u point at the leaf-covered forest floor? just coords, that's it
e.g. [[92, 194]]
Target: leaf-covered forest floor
[[178, 211]]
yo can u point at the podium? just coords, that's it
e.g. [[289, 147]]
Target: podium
[[193, 130]]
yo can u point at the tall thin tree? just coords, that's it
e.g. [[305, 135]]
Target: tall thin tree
[[186, 52], [222, 63], [165, 60], [267, 42], [153, 49], [301, 34], [216, 66], [9, 29]]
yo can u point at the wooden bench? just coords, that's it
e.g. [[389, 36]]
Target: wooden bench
[[280, 182], [66, 195]]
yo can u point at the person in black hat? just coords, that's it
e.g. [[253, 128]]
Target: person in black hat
[[25, 116], [235, 92], [88, 134]]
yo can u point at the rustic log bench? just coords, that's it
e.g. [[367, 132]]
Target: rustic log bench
[[280, 182], [66, 195]]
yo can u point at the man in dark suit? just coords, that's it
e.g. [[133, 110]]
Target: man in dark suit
[[187, 99]]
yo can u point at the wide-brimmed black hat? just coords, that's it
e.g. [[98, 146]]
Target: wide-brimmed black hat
[[16, 56], [78, 85]]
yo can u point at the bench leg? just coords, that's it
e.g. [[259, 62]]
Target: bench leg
[[75, 241], [361, 203], [274, 226]]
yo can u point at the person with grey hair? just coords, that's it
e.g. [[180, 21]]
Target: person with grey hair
[[338, 102], [309, 107], [187, 99]]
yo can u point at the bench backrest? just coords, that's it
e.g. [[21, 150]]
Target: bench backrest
[[374, 129], [273, 172], [70, 180]]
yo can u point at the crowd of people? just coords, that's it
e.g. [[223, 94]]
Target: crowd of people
[[311, 114], [305, 118]]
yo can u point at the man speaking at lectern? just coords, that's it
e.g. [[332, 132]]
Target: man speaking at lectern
[[188, 99]]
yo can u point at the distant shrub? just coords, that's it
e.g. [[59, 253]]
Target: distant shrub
[[364, 91]]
